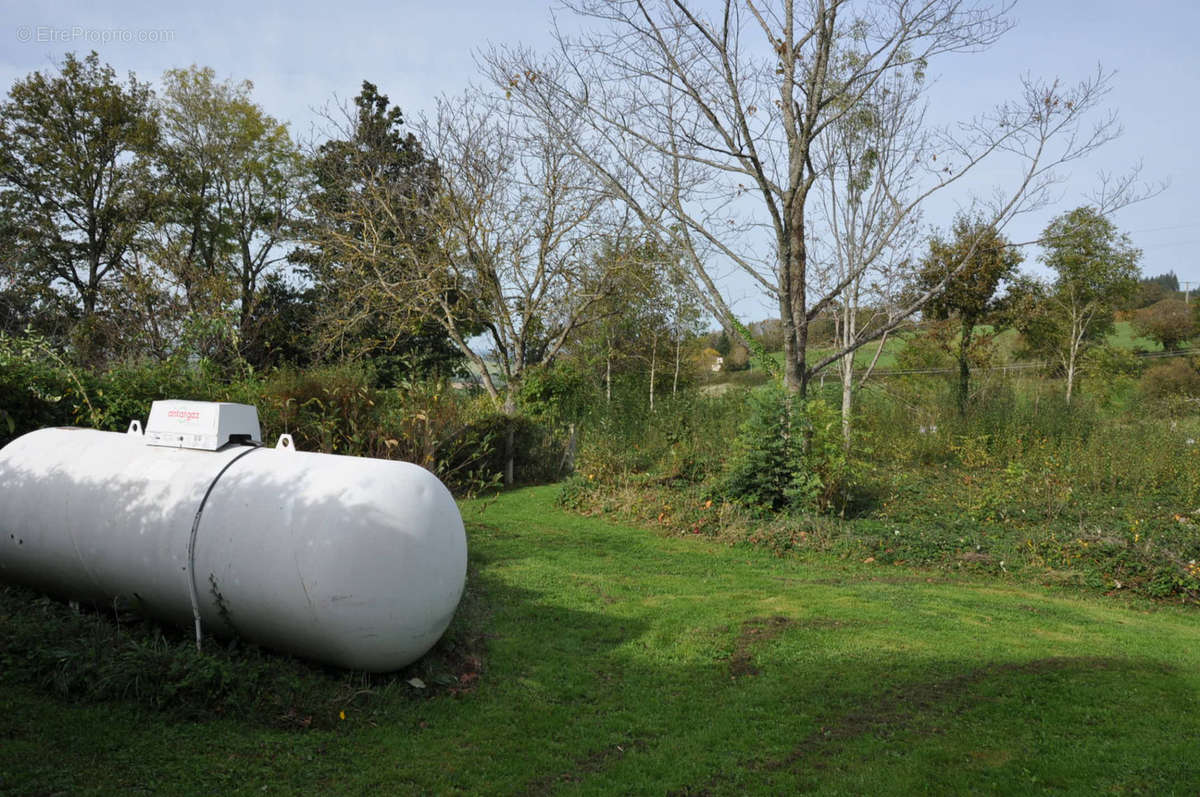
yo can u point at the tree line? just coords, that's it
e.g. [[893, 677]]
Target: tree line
[[188, 221], [569, 202]]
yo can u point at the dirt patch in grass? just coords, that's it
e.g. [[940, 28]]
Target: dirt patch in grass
[[755, 632], [825, 623], [900, 708], [583, 766]]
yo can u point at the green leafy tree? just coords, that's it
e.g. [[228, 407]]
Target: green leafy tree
[[235, 178], [367, 229], [1171, 322], [1096, 268], [972, 264], [646, 317], [77, 183]]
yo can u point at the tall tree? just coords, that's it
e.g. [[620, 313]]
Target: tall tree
[[971, 266], [709, 128], [1095, 267], [645, 318], [492, 243], [368, 228], [519, 221], [235, 178], [77, 181], [870, 176]]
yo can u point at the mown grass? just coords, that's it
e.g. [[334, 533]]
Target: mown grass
[[621, 661]]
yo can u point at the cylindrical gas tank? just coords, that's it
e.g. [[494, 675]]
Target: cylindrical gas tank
[[354, 562]]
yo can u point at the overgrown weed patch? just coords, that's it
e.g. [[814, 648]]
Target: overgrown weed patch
[[1025, 487]]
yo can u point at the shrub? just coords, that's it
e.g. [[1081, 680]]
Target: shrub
[[788, 454], [479, 450], [331, 409], [1178, 377], [1169, 321], [37, 389], [1110, 362], [126, 391]]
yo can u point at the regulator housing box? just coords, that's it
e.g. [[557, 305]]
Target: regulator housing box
[[208, 425]]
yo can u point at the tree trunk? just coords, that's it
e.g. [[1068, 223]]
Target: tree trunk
[[675, 380], [847, 401], [653, 366], [1072, 357], [794, 298], [846, 335], [567, 465], [964, 367], [1070, 377], [247, 288], [510, 433], [791, 349], [608, 372]]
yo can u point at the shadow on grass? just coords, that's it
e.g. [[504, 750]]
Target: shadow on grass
[[1074, 723]]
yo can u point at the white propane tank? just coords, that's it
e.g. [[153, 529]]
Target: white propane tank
[[355, 562]]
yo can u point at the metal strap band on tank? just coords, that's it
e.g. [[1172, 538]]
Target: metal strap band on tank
[[191, 549]]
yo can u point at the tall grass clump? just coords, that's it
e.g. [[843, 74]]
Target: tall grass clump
[[685, 438]]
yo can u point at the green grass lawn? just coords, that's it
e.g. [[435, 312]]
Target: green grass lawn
[[620, 661]]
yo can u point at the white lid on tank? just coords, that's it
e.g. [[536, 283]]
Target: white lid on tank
[[208, 425]]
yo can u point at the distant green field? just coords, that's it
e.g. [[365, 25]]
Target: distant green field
[[1007, 343], [1125, 338]]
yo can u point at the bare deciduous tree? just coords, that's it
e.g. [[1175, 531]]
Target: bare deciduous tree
[[710, 128], [518, 219], [871, 172], [494, 244]]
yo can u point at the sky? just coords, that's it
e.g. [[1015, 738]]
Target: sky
[[301, 54]]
